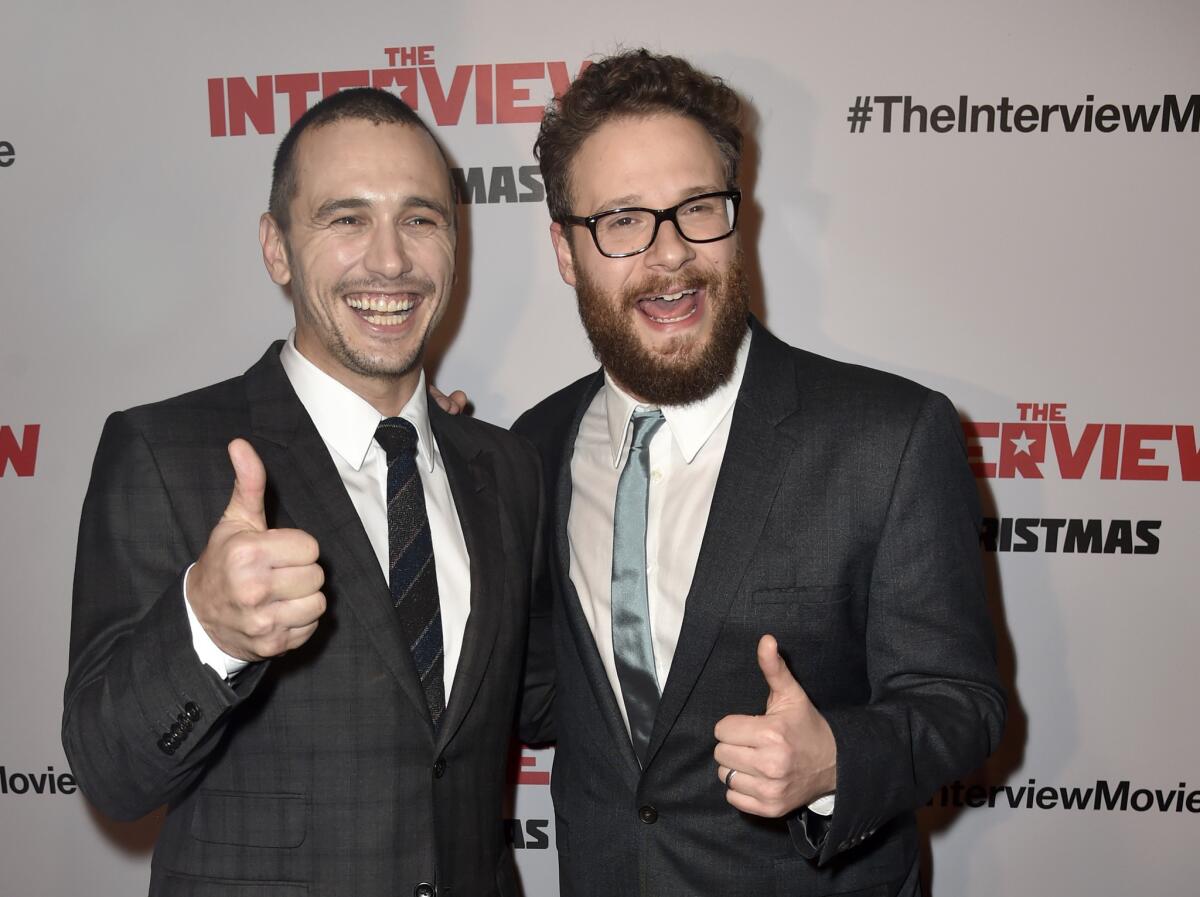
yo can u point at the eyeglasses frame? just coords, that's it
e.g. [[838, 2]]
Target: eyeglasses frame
[[660, 215]]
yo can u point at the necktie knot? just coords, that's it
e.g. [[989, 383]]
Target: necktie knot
[[645, 425], [397, 437]]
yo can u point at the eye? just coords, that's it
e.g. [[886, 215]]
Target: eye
[[346, 221], [698, 207], [423, 223], [621, 221]]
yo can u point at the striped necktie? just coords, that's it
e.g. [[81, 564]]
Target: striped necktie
[[412, 576]]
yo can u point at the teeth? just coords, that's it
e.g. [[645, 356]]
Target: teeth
[[675, 297], [381, 319], [379, 303], [683, 317]]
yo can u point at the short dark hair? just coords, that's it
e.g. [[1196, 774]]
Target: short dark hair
[[364, 103], [632, 83]]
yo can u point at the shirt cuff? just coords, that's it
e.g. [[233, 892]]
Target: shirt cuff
[[823, 806], [206, 649]]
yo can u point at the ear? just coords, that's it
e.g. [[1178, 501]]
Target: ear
[[274, 249], [564, 253]]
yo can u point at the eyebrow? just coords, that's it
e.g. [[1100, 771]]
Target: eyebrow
[[351, 203], [632, 199], [431, 204], [333, 206]]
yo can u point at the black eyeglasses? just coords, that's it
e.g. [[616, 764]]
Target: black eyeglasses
[[619, 233]]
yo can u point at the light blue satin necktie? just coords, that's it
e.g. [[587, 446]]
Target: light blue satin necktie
[[632, 646]]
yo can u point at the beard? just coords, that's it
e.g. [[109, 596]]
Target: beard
[[684, 370]]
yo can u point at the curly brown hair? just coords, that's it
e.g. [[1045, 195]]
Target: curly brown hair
[[632, 83]]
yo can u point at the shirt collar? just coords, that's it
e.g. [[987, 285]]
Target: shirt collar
[[690, 425], [345, 420]]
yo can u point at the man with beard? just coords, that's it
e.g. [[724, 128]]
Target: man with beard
[[317, 673], [770, 636]]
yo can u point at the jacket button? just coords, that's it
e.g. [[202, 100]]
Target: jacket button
[[192, 711], [648, 815], [439, 768], [165, 746], [424, 889]]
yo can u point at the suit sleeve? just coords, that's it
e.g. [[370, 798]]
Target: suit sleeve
[[936, 708], [133, 675]]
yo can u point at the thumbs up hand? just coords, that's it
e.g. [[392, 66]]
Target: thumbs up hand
[[246, 505], [782, 760], [255, 590]]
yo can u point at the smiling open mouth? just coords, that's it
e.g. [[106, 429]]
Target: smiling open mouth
[[670, 308], [381, 309]]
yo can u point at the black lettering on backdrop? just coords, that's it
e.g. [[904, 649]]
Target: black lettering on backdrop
[[1070, 535], [499, 184], [531, 835], [47, 782], [1103, 795]]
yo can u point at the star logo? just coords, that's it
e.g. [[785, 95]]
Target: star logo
[[1022, 444]]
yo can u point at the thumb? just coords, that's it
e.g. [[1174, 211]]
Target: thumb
[[775, 670], [249, 486]]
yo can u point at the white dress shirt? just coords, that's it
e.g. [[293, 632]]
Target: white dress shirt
[[685, 459], [347, 423]]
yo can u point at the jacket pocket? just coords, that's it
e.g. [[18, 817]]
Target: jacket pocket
[[881, 867], [190, 886], [796, 599], [798, 879], [249, 819]]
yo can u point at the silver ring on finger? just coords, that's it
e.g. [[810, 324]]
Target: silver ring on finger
[[729, 778]]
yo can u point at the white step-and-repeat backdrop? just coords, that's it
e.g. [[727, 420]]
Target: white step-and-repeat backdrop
[[997, 199]]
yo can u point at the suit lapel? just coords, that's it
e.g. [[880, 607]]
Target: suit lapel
[[585, 641], [301, 473], [756, 457], [473, 483]]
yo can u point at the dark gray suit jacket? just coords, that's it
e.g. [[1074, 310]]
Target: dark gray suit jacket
[[317, 772], [845, 522]]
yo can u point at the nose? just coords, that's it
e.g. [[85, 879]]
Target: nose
[[669, 251], [386, 253]]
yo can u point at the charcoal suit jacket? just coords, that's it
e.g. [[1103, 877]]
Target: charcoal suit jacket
[[317, 772], [845, 523]]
